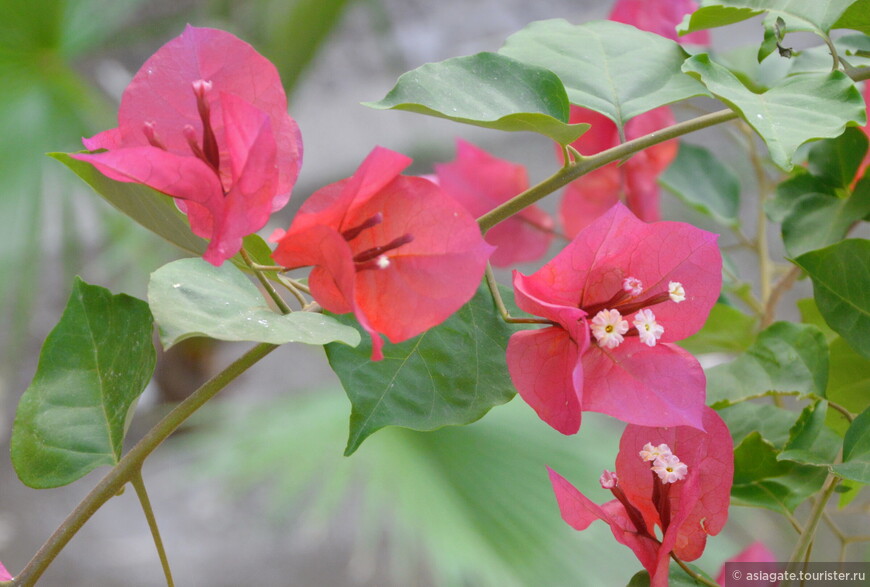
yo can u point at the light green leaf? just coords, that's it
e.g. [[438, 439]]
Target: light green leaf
[[856, 17], [848, 384], [819, 16], [772, 422], [817, 220], [786, 357], [836, 161], [716, 192], [810, 441], [856, 450], [610, 67], [798, 109], [841, 287], [449, 375], [727, 330], [191, 298], [92, 369], [488, 90]]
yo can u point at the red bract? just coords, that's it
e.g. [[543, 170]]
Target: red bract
[[205, 121], [394, 250], [617, 295], [480, 182], [660, 17], [687, 507], [634, 182]]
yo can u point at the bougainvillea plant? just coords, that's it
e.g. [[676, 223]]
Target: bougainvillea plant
[[620, 301]]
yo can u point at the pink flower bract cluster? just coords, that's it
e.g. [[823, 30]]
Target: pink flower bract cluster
[[394, 250], [205, 121], [598, 355], [686, 511]]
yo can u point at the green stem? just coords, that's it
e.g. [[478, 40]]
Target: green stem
[[499, 302], [806, 539], [139, 485], [131, 463], [264, 281], [569, 173]]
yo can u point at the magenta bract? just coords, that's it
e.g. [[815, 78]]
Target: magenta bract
[[480, 182], [660, 17], [686, 511], [621, 264], [205, 121], [394, 250]]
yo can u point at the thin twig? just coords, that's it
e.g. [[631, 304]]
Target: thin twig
[[139, 485]]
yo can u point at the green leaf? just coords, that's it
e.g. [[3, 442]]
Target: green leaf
[[836, 161], [848, 383], [791, 190], [810, 315], [677, 577], [92, 368], [449, 375], [610, 67], [818, 16], [192, 297], [727, 330], [786, 357], [488, 90], [856, 450], [810, 441], [761, 480], [772, 422], [841, 287], [798, 109], [153, 210], [716, 192], [856, 17], [817, 220]]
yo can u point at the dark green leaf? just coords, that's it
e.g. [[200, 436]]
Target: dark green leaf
[[810, 441], [791, 190], [716, 192], [856, 17], [841, 286], [153, 210], [772, 422], [761, 480], [856, 450], [837, 160], [488, 90], [610, 67], [449, 375], [798, 109], [817, 220], [848, 384], [786, 357], [727, 330], [192, 297], [92, 369]]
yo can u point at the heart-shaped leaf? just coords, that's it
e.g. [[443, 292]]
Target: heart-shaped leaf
[[488, 90], [191, 297], [92, 369], [609, 67], [798, 109], [819, 16]]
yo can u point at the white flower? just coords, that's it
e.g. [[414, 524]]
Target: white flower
[[676, 291], [608, 328], [670, 469], [647, 327], [651, 453], [632, 285]]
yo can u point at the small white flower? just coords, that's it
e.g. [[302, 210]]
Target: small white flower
[[608, 328], [632, 285], [651, 453], [608, 479], [676, 291], [647, 327], [670, 469]]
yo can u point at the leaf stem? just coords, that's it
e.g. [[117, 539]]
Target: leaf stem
[[139, 485], [492, 284], [131, 463], [695, 576], [264, 281], [804, 542]]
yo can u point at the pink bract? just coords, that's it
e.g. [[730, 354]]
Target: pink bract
[[634, 182], [660, 17], [756, 552], [205, 121], [686, 511], [562, 370], [4, 574], [480, 182], [394, 250]]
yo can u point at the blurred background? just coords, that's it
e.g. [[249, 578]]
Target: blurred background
[[255, 491]]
